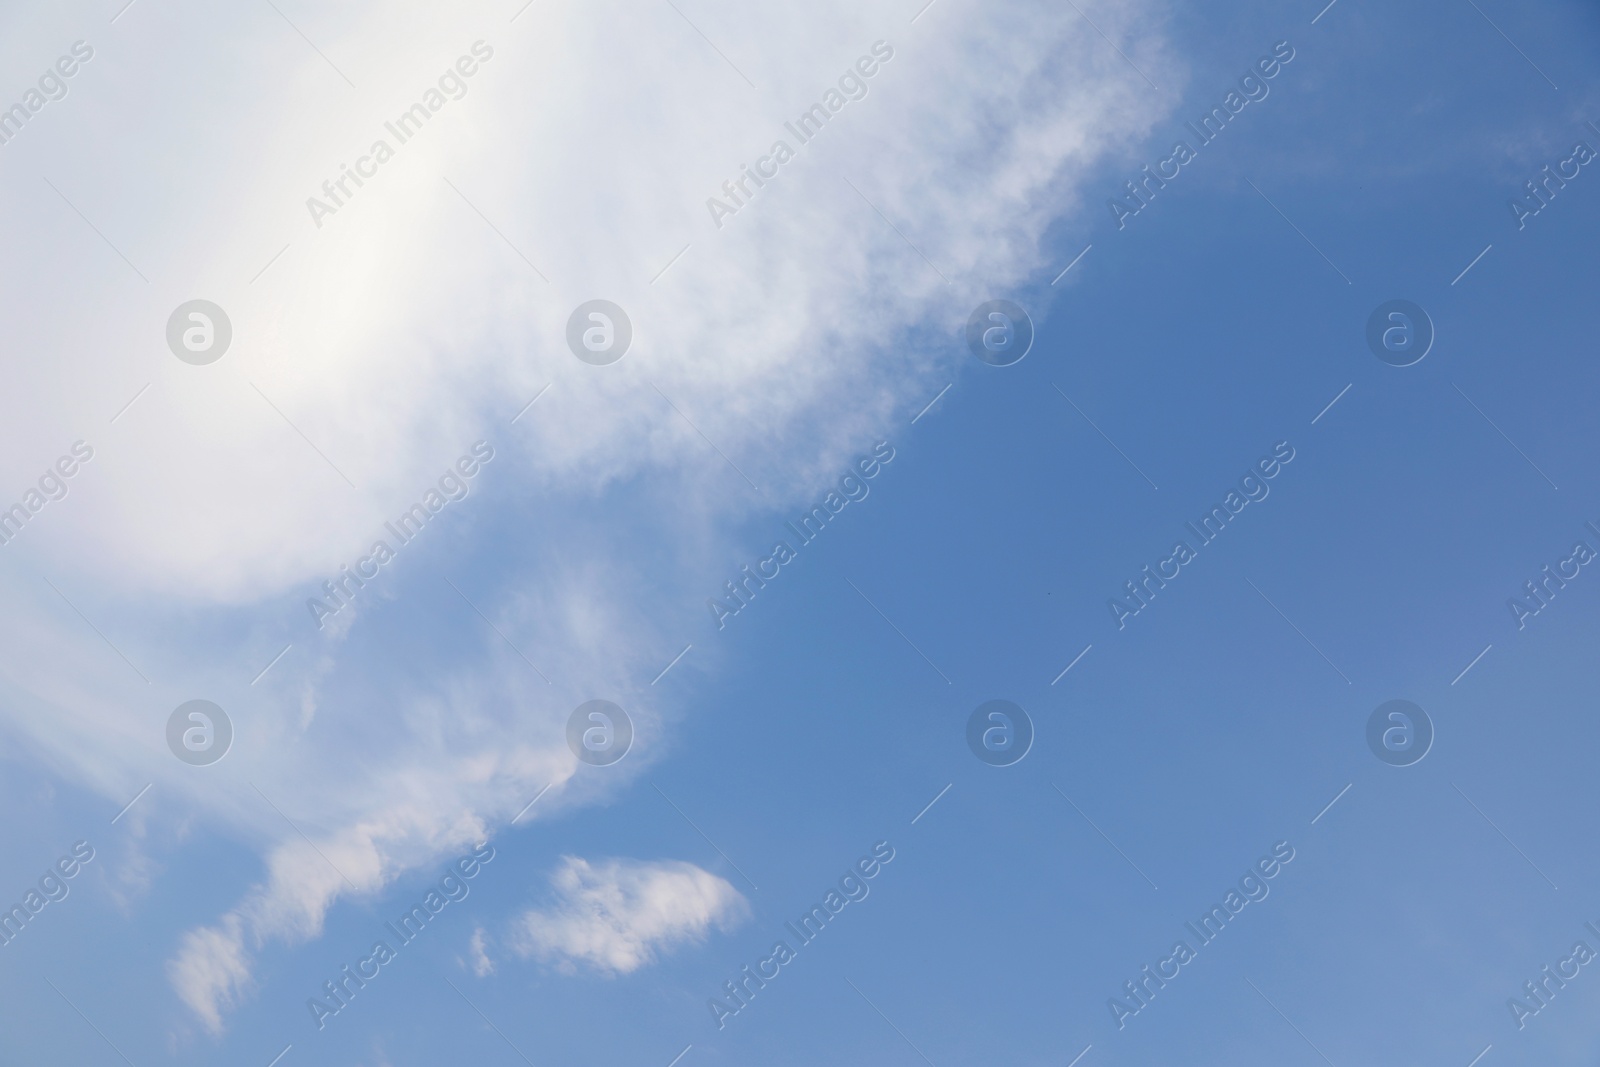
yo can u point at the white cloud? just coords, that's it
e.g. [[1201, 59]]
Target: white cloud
[[482, 965], [211, 971], [618, 915], [405, 328]]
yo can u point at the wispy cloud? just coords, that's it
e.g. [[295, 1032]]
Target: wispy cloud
[[482, 965], [405, 328], [211, 971]]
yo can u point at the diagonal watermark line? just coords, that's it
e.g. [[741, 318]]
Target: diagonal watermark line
[[1502, 833], [680, 1056], [303, 437], [704, 438], [123, 8], [1299, 631], [1480, 1056], [262, 271], [703, 834], [671, 665], [495, 228], [490, 1021], [129, 404], [925, 7], [280, 1056], [530, 403], [892, 226], [1502, 433], [1331, 803], [714, 48], [313, 45], [890, 1021], [1073, 664], [1474, 263], [497, 630], [671, 261], [130, 804], [1299, 231], [931, 803], [1104, 835], [520, 10], [306, 839], [1324, 11], [1080, 1056], [1074, 263], [899, 631], [96, 230], [1286, 1019], [274, 663], [1471, 665], [1114, 48], [95, 628], [92, 1026], [1332, 402], [932, 402], [530, 804], [1513, 44], [1102, 433]]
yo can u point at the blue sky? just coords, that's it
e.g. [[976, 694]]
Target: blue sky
[[1227, 719]]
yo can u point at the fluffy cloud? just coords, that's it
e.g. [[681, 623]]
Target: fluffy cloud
[[376, 347], [617, 915]]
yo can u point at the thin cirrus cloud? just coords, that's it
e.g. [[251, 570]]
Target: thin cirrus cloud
[[618, 915], [419, 319], [482, 965]]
